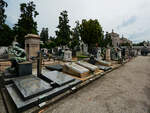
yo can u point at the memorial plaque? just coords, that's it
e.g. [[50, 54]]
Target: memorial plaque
[[57, 77], [105, 68], [56, 67], [22, 105], [30, 86], [87, 65]]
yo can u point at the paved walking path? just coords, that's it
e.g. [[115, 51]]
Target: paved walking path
[[125, 90]]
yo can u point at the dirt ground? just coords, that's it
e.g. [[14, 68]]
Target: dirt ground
[[125, 90]]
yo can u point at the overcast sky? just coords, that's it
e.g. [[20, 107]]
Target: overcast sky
[[128, 17]]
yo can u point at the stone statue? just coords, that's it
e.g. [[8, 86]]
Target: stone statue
[[16, 55]]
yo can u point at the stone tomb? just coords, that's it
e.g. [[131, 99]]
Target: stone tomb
[[56, 77], [56, 67], [22, 105], [75, 69], [102, 62], [91, 67], [31, 86], [87, 65], [105, 68]]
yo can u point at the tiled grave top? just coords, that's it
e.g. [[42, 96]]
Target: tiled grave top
[[87, 65], [57, 67], [30, 86], [58, 77], [77, 68]]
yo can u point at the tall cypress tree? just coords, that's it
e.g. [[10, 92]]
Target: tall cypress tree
[[26, 23], [63, 32]]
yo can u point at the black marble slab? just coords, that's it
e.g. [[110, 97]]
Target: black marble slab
[[56, 67], [105, 68], [30, 86], [57, 77], [22, 105]]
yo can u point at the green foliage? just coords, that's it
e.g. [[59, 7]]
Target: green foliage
[[3, 4], [125, 44], [82, 56], [107, 41], [75, 35], [63, 32], [6, 35], [51, 45], [26, 23], [44, 35], [91, 32]]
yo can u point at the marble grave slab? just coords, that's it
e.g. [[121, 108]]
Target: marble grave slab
[[59, 78], [30, 86], [87, 65], [22, 105], [57, 67], [105, 68]]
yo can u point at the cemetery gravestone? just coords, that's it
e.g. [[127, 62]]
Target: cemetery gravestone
[[67, 55], [108, 55]]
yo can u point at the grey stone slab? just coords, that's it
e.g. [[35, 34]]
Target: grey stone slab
[[59, 78], [30, 86], [56, 67], [105, 68], [22, 105]]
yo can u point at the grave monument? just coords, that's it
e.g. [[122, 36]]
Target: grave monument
[[32, 45]]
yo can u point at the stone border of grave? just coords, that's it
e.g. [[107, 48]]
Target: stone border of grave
[[9, 107]]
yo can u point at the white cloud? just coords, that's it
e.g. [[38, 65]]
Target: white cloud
[[110, 13]]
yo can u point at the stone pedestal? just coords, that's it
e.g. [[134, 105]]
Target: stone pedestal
[[32, 45], [108, 58]]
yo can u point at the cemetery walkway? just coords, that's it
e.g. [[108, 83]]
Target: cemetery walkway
[[125, 90]]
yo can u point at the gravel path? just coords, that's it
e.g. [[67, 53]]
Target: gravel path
[[125, 90]]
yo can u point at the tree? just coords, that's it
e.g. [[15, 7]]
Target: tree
[[3, 4], [63, 32], [26, 23], [6, 35], [75, 35], [107, 40], [44, 35], [91, 32]]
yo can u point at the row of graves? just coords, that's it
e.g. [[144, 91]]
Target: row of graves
[[23, 90]]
